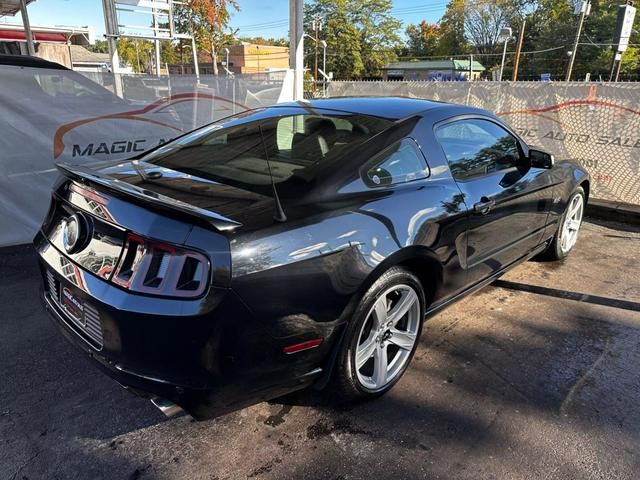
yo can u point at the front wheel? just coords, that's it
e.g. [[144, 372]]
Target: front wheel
[[568, 228], [382, 337]]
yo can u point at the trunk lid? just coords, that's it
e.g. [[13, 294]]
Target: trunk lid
[[118, 200]]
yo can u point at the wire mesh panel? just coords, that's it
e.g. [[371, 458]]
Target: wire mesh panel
[[595, 125]]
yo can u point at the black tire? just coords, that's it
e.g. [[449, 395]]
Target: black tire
[[345, 383], [554, 251]]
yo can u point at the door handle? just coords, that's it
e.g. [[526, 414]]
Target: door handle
[[484, 206]]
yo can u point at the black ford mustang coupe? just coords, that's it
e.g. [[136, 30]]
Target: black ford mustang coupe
[[296, 245]]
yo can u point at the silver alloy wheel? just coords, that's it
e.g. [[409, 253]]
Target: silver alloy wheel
[[571, 224], [387, 337]]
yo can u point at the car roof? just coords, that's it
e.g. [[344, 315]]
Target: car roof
[[27, 61], [387, 107]]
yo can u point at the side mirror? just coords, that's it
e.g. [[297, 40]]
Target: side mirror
[[540, 159]]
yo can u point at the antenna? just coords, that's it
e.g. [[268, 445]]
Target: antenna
[[278, 215]]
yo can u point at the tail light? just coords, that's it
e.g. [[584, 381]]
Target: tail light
[[160, 269]]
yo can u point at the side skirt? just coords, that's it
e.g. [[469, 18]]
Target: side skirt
[[434, 309]]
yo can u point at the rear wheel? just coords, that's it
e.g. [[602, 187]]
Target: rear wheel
[[383, 336], [568, 228]]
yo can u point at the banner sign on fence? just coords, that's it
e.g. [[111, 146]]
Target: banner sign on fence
[[49, 115], [595, 125]]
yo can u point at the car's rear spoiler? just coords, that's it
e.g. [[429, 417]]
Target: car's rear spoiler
[[146, 197]]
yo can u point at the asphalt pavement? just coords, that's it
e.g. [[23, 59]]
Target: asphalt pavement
[[535, 376]]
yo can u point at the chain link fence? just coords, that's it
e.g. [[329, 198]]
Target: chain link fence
[[597, 125]]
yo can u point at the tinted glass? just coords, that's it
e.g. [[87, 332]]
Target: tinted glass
[[477, 147], [399, 163], [299, 149]]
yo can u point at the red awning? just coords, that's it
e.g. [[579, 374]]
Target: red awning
[[18, 36]]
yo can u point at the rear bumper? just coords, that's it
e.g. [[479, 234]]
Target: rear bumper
[[209, 356]]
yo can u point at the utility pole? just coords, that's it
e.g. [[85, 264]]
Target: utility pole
[[317, 27], [584, 7], [296, 46], [516, 64]]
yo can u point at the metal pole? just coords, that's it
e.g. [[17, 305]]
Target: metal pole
[[296, 46], [315, 28], [618, 69], [324, 69], [156, 48], [575, 43], [31, 50], [196, 69], [470, 68], [516, 64], [111, 32], [504, 54], [613, 66], [156, 43]]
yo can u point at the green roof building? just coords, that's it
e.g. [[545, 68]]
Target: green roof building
[[432, 70]]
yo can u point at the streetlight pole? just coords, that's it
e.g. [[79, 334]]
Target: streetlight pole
[[317, 27], [324, 68], [504, 55], [585, 8], [505, 34]]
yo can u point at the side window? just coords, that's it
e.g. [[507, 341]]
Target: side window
[[477, 147], [401, 162]]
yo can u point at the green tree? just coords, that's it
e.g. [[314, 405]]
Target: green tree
[[136, 53], [344, 51], [484, 19], [423, 40], [361, 35], [452, 38], [208, 22], [378, 30], [100, 46], [551, 29], [598, 29]]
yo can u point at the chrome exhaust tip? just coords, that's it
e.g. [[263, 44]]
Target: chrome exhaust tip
[[165, 406]]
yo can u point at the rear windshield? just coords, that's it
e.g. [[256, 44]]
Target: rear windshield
[[299, 148]]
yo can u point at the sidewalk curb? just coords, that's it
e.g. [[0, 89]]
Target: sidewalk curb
[[614, 211]]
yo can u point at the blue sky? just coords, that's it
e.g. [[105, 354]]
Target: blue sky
[[267, 18]]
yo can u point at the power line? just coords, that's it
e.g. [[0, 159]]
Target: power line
[[264, 23], [402, 11]]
